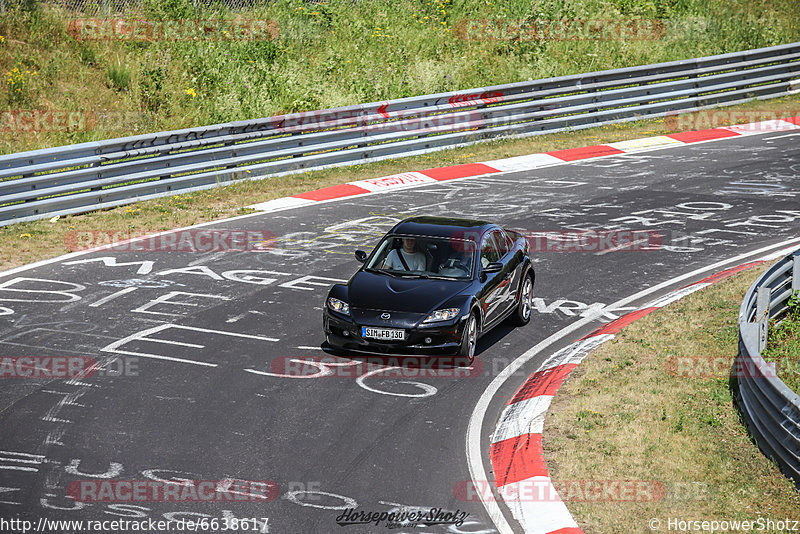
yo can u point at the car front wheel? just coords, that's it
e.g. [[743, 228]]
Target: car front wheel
[[466, 352]]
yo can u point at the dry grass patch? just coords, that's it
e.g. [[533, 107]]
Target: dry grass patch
[[624, 414]]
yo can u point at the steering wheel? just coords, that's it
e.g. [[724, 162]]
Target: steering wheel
[[455, 263]]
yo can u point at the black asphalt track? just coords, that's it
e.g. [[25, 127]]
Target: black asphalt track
[[189, 405]]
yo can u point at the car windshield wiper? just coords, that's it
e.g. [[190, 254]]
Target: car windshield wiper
[[435, 277], [385, 271]]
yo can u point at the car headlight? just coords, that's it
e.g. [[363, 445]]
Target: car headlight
[[338, 306], [442, 315]]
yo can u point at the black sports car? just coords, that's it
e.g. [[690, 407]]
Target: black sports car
[[433, 285]]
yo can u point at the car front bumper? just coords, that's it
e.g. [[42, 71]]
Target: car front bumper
[[345, 334]]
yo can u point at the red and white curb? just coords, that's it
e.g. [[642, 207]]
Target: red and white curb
[[516, 445], [533, 161]]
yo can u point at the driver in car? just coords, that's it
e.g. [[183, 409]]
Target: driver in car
[[407, 258]]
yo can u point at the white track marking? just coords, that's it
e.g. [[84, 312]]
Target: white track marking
[[524, 163], [54, 437], [167, 358], [529, 412], [112, 296], [167, 299], [225, 333], [20, 458], [281, 203], [237, 317], [780, 136], [427, 389], [348, 501], [475, 426], [39, 457], [17, 468], [20, 461], [111, 261], [642, 241], [393, 181], [114, 470], [9, 490], [71, 297], [173, 342], [324, 368], [142, 335]]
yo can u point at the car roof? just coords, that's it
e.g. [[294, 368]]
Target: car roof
[[426, 225]]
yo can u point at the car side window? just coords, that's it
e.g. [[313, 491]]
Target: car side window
[[489, 251], [502, 244], [509, 241]]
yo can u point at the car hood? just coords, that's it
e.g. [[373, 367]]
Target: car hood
[[416, 295]]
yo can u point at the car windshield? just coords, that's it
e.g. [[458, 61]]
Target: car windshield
[[423, 256]]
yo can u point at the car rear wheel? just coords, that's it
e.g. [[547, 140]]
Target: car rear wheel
[[522, 315], [466, 352]]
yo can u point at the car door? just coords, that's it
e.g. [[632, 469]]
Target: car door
[[508, 283], [491, 294]]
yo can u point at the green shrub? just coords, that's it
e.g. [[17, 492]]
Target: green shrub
[[119, 76]]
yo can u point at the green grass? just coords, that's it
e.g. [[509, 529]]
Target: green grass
[[340, 53], [783, 346], [119, 76], [648, 424]]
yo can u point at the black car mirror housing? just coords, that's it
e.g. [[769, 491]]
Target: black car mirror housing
[[361, 256]]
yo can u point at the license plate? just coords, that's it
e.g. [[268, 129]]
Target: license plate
[[386, 334]]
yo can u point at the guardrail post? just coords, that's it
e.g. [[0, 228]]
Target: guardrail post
[[189, 158], [796, 273], [750, 333], [762, 316]]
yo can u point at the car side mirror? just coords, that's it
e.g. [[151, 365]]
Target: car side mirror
[[494, 267], [361, 256]]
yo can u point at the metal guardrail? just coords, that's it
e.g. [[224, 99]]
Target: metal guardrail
[[770, 409], [89, 176]]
